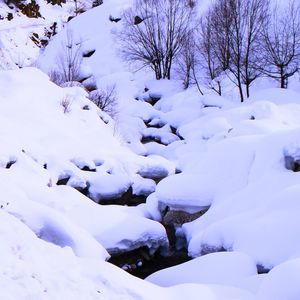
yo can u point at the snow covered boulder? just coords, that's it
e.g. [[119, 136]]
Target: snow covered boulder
[[156, 168], [227, 268], [105, 187], [119, 229], [282, 282], [181, 192]]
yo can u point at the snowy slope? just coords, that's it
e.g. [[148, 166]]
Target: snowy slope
[[59, 145], [50, 235]]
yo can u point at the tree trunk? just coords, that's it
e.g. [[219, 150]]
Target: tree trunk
[[187, 79], [219, 88], [247, 90], [282, 79], [157, 72], [196, 81], [240, 88]]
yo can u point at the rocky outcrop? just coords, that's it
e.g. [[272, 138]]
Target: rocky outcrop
[[174, 219]]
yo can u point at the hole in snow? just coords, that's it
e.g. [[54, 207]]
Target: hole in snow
[[291, 163]]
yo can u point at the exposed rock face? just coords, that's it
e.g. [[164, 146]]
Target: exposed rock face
[[262, 269], [149, 242], [56, 2], [173, 219], [292, 163], [179, 217], [122, 199], [138, 20], [154, 98], [207, 249], [31, 10]]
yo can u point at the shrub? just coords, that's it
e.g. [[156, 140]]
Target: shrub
[[68, 62], [105, 99], [66, 103]]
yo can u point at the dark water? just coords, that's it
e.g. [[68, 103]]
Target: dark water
[[141, 264]]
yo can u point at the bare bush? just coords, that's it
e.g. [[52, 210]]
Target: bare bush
[[106, 99], [66, 103], [56, 77], [68, 62]]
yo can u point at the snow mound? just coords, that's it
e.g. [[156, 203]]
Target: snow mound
[[281, 282], [226, 268]]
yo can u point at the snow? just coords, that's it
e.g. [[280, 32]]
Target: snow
[[213, 153], [209, 292], [226, 268], [97, 18], [64, 155], [257, 205], [281, 282]]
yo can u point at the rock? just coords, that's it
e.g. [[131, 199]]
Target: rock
[[10, 163], [138, 20], [154, 98], [207, 249], [292, 163], [122, 199], [63, 180], [113, 19], [173, 220], [153, 172], [179, 217], [262, 269], [88, 53], [31, 10]]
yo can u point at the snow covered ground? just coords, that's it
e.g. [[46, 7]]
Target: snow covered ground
[[189, 152]]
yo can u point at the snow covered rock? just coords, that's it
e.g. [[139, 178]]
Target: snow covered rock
[[227, 268], [281, 282], [70, 145]]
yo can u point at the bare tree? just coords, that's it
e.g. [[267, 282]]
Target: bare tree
[[218, 28], [153, 33], [230, 39], [186, 59], [248, 18], [281, 42], [212, 65]]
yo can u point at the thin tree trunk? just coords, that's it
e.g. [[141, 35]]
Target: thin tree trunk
[[187, 79], [240, 86], [219, 88], [247, 90], [197, 82], [282, 79]]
